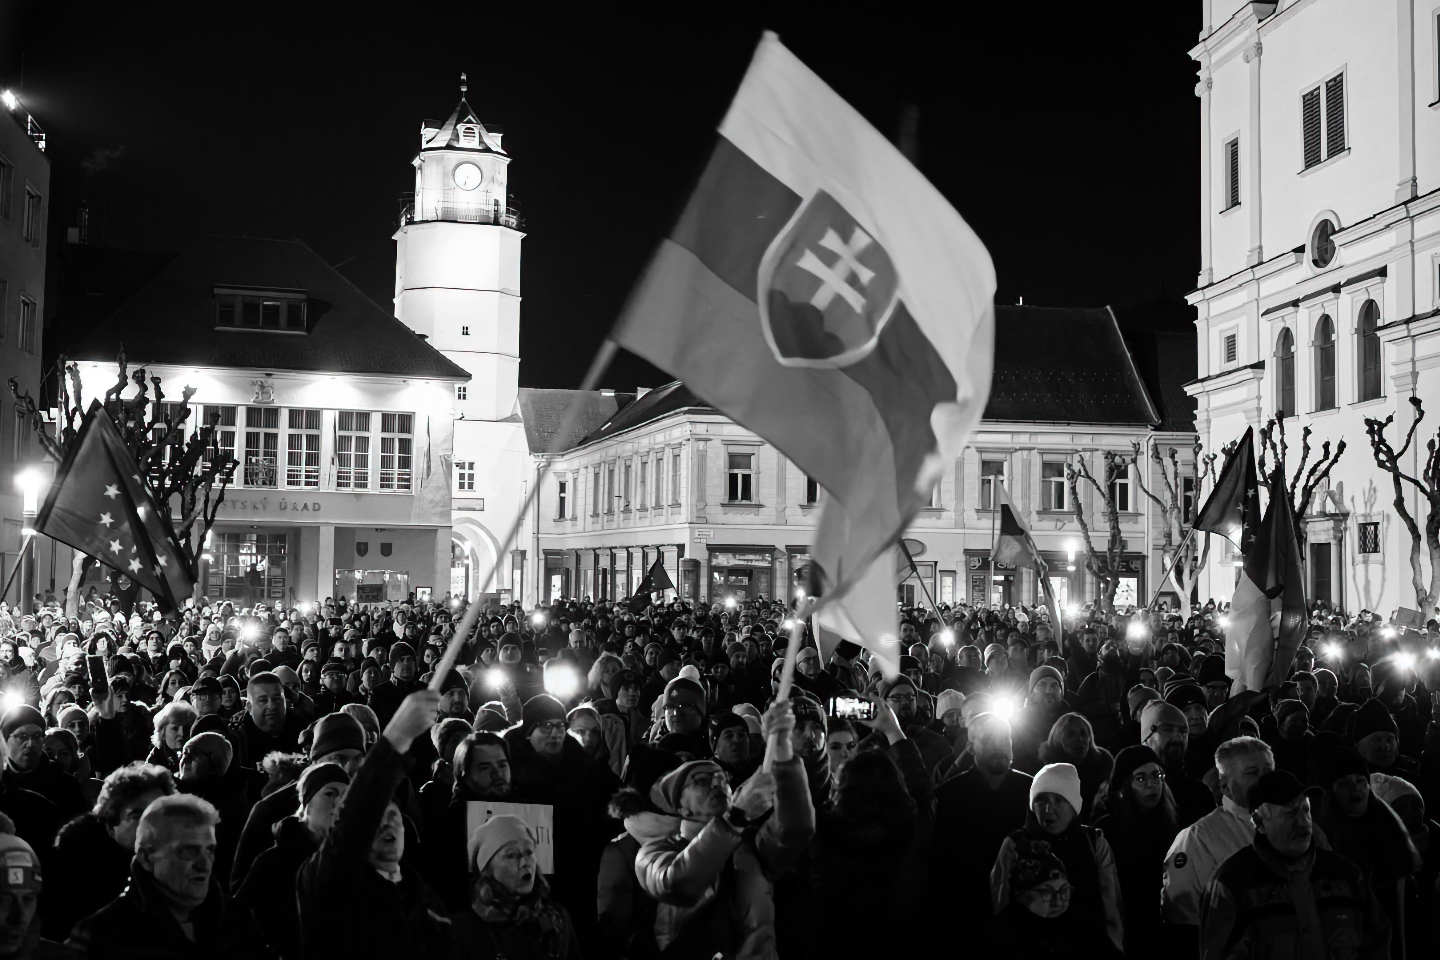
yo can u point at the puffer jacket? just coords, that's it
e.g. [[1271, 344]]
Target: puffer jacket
[[713, 882], [1263, 906]]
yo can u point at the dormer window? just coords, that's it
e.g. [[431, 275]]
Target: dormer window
[[279, 310], [469, 135]]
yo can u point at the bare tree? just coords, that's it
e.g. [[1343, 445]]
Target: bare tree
[[1387, 458], [1184, 569], [1104, 566], [188, 475], [1302, 486]]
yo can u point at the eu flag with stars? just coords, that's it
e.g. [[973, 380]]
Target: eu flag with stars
[[100, 506]]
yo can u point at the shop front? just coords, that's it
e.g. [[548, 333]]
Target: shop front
[[991, 584], [743, 572]]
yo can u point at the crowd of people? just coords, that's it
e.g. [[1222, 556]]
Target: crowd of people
[[607, 780]]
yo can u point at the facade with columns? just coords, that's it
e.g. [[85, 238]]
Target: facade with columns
[[1319, 288]]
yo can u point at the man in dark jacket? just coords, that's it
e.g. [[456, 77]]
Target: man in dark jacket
[[404, 670], [24, 731], [1283, 895], [359, 864], [1164, 729], [171, 908], [901, 695], [265, 725]]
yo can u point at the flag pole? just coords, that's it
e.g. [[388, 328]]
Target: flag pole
[[787, 672], [1165, 574], [994, 513], [934, 607], [598, 366]]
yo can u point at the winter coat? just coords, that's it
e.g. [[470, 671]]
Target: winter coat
[[1262, 906], [1379, 845], [138, 924], [89, 866], [477, 940], [255, 743], [123, 738], [269, 887], [347, 909], [933, 746], [971, 821], [625, 913], [387, 697], [36, 819], [1196, 855], [163, 756], [1139, 844], [1101, 699], [54, 784], [1018, 934], [1089, 864], [1094, 769], [229, 795], [713, 883]]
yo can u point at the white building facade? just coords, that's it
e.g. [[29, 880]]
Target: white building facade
[[1319, 288]]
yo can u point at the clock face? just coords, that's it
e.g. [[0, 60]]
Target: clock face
[[467, 176]]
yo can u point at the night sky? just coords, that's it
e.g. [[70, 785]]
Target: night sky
[[1066, 134]]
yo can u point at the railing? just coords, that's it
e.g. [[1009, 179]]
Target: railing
[[261, 472], [496, 212]]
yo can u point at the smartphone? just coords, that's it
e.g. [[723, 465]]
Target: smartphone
[[99, 683], [852, 708]]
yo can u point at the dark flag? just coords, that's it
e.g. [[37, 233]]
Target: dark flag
[[100, 506], [1234, 505], [1014, 545], [656, 579], [1267, 612]]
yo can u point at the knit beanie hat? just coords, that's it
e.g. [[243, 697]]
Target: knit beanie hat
[[948, 700], [1284, 708], [63, 717], [216, 747], [1059, 778], [1035, 863], [1212, 670], [1127, 761], [1139, 696], [1185, 693], [806, 708], [318, 775], [682, 691], [334, 732], [21, 715], [1390, 788], [665, 794], [210, 723], [1041, 673], [22, 867], [453, 681], [401, 649], [1372, 717], [690, 672], [539, 709], [1158, 712], [492, 835], [907, 662], [991, 650], [723, 721]]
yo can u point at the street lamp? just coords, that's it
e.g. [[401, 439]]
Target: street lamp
[[30, 481], [1072, 547]]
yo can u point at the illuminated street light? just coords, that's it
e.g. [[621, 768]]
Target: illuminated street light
[[10, 102]]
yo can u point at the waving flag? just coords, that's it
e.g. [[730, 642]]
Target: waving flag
[[819, 291], [99, 505], [1014, 545], [1267, 611], [1234, 505], [655, 579]]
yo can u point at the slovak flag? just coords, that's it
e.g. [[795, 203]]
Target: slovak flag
[[821, 292], [99, 505]]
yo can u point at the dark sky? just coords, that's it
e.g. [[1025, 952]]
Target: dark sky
[[1066, 134]]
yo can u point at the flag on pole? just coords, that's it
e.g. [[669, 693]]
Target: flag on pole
[[99, 505], [1267, 611], [1015, 546], [874, 625], [821, 292], [655, 579], [1234, 505]]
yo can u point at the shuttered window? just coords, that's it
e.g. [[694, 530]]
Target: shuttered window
[[1369, 351], [1232, 174], [1335, 115], [1230, 347], [1310, 121]]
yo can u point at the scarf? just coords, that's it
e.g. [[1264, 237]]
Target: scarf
[[533, 913]]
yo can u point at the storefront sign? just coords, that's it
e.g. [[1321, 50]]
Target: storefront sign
[[275, 504], [740, 559]]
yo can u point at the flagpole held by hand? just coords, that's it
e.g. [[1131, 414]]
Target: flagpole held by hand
[[787, 672]]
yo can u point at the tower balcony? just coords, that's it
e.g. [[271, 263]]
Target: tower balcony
[[504, 215]]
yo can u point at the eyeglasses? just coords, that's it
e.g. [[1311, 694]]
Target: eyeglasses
[[551, 726], [1053, 896], [28, 737], [901, 698], [1144, 779]]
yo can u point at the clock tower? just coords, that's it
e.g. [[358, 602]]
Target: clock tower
[[457, 283]]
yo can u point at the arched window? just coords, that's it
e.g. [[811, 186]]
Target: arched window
[[1325, 363], [1285, 369], [1369, 351]]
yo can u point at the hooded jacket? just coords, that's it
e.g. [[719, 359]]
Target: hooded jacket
[[713, 882]]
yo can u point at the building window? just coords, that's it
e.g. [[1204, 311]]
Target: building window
[[464, 331], [1322, 244], [1187, 499], [7, 187], [1053, 491], [625, 491], [1231, 347], [1120, 490], [644, 489], [812, 490], [991, 472], [460, 392], [1370, 387], [1322, 116], [595, 493], [32, 216], [562, 497], [396, 450], [1285, 374], [29, 324], [262, 446], [1370, 536], [1232, 173], [610, 489], [740, 477], [469, 135], [675, 479], [222, 437], [302, 449], [259, 313], [464, 476], [352, 450], [1325, 363]]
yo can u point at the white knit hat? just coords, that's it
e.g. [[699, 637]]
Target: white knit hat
[[1058, 778], [1390, 788], [948, 700]]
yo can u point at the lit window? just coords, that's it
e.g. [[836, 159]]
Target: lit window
[[562, 498], [302, 451], [262, 446], [222, 435], [464, 476], [740, 476], [396, 450], [352, 450]]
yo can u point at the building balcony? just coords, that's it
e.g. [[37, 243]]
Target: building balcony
[[501, 214]]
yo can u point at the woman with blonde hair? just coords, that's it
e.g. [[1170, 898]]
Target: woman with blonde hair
[[1072, 741], [172, 728]]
